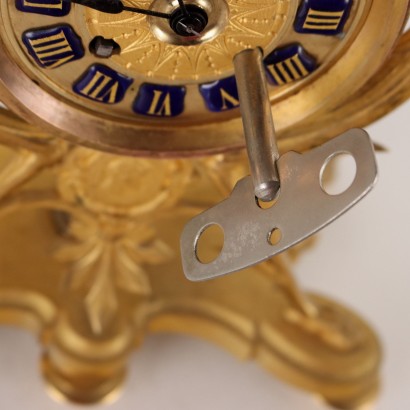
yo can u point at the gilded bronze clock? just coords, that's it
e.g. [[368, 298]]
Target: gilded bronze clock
[[89, 240]]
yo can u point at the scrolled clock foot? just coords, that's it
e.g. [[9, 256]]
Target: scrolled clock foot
[[83, 387], [84, 371], [333, 354], [79, 367], [365, 401]]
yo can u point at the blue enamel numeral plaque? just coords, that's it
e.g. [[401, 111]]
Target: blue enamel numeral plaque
[[326, 17], [160, 100], [56, 8], [102, 84], [288, 64], [220, 95], [52, 47]]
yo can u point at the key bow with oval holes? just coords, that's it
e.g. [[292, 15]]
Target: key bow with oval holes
[[302, 206]]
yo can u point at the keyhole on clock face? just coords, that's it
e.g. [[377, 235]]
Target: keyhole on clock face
[[189, 25], [103, 47]]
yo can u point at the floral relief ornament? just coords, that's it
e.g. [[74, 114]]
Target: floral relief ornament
[[107, 252]]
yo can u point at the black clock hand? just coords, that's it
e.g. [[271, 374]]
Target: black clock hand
[[116, 7], [147, 12], [189, 29], [183, 8]]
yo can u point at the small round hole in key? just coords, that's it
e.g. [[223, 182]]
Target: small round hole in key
[[209, 244], [267, 204], [275, 236]]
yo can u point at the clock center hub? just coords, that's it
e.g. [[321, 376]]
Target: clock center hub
[[205, 20], [191, 24]]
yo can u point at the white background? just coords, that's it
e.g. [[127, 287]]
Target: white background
[[361, 260]]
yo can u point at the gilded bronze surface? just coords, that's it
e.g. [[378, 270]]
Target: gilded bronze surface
[[101, 269], [89, 240]]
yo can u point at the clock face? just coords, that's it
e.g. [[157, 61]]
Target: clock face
[[131, 71]]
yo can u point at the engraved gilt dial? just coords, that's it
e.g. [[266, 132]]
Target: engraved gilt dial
[[157, 76]]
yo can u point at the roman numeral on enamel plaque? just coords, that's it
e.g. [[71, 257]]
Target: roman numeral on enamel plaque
[[102, 84], [53, 47], [220, 95], [56, 8], [228, 100], [100, 88], [287, 71], [288, 64], [322, 16], [160, 100], [323, 20], [161, 104]]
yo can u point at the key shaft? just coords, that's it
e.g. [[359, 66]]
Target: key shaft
[[258, 124]]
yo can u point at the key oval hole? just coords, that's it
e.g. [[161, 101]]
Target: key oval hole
[[338, 173], [209, 243]]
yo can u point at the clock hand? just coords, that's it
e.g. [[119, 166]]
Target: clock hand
[[147, 12], [183, 8], [188, 29], [116, 7]]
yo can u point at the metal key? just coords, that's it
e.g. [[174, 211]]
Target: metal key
[[302, 208]]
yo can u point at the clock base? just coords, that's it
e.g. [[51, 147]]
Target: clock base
[[90, 262]]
